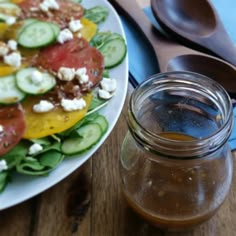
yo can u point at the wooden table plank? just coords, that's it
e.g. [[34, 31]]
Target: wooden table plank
[[106, 188], [66, 206], [16, 221]]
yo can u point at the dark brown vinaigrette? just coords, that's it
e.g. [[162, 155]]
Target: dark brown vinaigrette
[[175, 195], [177, 136]]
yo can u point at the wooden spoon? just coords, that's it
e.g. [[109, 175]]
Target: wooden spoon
[[174, 57], [197, 22]]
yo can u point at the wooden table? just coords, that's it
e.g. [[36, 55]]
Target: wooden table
[[90, 203]]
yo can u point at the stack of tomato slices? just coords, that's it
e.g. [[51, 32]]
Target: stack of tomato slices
[[17, 119]]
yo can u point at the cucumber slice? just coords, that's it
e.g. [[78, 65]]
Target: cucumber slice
[[8, 5], [10, 8], [25, 24], [101, 37], [26, 84], [101, 120], [9, 92], [90, 134], [56, 29], [113, 51], [4, 17], [36, 35]]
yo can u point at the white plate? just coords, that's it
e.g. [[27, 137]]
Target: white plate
[[25, 187]]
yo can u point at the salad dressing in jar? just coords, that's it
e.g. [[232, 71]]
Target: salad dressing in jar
[[175, 164]]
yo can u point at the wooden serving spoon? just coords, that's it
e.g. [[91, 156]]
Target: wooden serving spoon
[[174, 57], [197, 22]]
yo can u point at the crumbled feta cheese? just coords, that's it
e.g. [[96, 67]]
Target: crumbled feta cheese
[[43, 106], [10, 20], [43, 7], [75, 25], [36, 77], [12, 44], [66, 74], [79, 35], [52, 4], [81, 71], [108, 84], [84, 79], [3, 165], [3, 49], [73, 105], [35, 148], [1, 129], [13, 59], [34, 9], [81, 75], [104, 94], [48, 4], [108, 87], [64, 35]]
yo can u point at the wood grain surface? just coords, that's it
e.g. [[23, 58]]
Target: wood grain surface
[[89, 202]]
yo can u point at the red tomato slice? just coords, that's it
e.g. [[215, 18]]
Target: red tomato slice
[[28, 4], [75, 53], [13, 123], [67, 10], [52, 56]]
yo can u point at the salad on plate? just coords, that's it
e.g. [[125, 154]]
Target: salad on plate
[[55, 66]]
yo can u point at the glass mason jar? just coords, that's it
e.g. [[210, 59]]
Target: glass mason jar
[[175, 163]]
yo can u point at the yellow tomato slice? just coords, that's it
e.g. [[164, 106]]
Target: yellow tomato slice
[[89, 29], [3, 28], [11, 31], [39, 125], [8, 70], [17, 1]]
